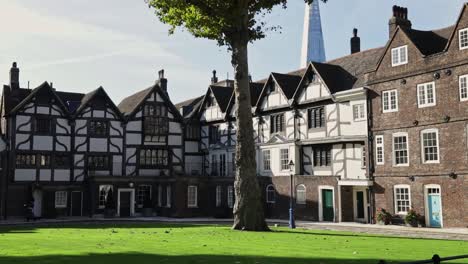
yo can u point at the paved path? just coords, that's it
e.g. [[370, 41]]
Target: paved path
[[390, 230]]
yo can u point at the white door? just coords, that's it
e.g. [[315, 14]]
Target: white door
[[37, 210]]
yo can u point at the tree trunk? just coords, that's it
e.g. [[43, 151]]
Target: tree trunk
[[248, 208]]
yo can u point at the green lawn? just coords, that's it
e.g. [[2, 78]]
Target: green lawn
[[159, 243]]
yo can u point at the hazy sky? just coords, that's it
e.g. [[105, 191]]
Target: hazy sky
[[80, 45]]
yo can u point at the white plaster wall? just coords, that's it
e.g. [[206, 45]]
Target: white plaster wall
[[61, 175], [117, 165], [21, 138], [45, 175], [175, 127], [65, 141], [98, 144], [25, 174], [133, 139], [21, 120], [80, 127], [131, 157], [212, 113], [116, 128], [43, 143], [134, 126], [79, 160], [98, 113], [274, 100], [191, 146], [42, 110], [63, 123], [275, 159], [117, 142], [352, 127], [29, 108]]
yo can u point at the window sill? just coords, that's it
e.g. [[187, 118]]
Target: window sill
[[389, 111], [426, 106], [433, 162]]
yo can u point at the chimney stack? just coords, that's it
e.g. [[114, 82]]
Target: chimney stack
[[162, 81], [355, 42], [399, 19], [14, 76], [214, 79]]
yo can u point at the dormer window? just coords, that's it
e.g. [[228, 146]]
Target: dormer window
[[399, 56], [463, 38]]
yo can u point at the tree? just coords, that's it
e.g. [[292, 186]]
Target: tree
[[235, 24]]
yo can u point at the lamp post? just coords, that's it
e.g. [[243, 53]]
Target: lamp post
[[292, 223]]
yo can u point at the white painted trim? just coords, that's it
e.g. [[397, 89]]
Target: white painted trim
[[305, 194], [71, 202], [326, 187], [426, 204], [66, 199], [366, 216], [459, 39], [382, 145], [195, 205], [405, 47], [389, 104], [274, 192], [459, 87], [424, 87], [395, 201], [431, 130], [132, 200], [400, 134]]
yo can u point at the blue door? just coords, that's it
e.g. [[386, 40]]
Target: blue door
[[435, 212]]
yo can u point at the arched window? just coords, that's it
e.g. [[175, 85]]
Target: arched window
[[301, 194], [270, 194]]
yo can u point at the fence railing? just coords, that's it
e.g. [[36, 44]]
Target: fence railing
[[436, 259]]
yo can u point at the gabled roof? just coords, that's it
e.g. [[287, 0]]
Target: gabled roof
[[335, 77], [222, 95], [429, 42], [454, 31], [189, 107], [287, 82], [255, 90], [87, 98]]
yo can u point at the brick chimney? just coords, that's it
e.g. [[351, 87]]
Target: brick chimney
[[355, 42], [162, 81], [14, 76], [214, 79], [399, 18]]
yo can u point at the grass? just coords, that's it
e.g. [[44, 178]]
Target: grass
[[162, 243]]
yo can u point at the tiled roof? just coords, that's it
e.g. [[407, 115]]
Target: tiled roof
[[130, 103], [287, 82], [335, 77], [189, 107], [430, 42], [223, 95]]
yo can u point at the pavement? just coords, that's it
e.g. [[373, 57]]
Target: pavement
[[385, 230]]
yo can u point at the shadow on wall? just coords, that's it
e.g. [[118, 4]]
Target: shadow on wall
[[134, 257]]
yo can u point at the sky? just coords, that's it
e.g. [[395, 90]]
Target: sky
[[79, 45]]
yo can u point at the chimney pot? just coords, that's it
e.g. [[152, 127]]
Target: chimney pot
[[14, 76], [399, 19], [214, 79], [355, 42], [162, 81]]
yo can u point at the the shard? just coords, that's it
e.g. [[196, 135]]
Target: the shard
[[313, 48]]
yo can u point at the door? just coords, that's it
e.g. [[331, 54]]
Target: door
[[125, 203], [327, 205], [434, 207], [37, 209], [360, 206], [76, 203]]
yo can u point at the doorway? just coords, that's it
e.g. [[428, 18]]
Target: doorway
[[126, 202], [433, 206], [326, 204], [360, 205], [76, 203]]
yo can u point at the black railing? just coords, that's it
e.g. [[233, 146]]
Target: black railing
[[436, 259]]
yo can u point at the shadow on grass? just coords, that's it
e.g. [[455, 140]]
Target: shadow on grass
[[135, 257]]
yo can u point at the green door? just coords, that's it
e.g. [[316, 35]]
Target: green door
[[327, 205]]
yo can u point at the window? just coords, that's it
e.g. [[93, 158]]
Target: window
[[399, 56], [214, 135], [277, 124], [400, 149], [42, 125], [379, 150], [98, 162], [168, 196], [192, 197], [270, 194], [430, 146], [143, 195], [155, 122], [322, 156], [192, 132], [44, 160], [219, 193], [426, 95], [62, 161], [230, 197], [104, 191], [463, 83], [316, 117], [25, 160], [214, 165], [301, 194], [363, 157], [402, 199], [98, 128], [359, 112], [222, 165], [390, 101], [284, 157], [150, 158], [60, 199], [266, 160], [463, 38]]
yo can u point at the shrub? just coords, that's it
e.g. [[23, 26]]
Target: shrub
[[383, 216]]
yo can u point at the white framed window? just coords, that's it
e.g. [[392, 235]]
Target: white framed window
[[270, 194], [143, 194], [104, 191], [266, 160], [400, 149], [430, 146], [399, 56], [379, 150], [463, 84], [168, 196], [426, 95], [230, 196], [359, 113], [390, 101], [219, 193], [192, 196], [402, 196], [363, 157], [60, 199], [284, 158], [463, 38], [301, 197]]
